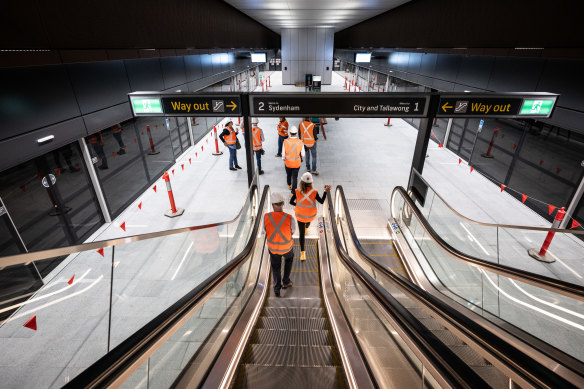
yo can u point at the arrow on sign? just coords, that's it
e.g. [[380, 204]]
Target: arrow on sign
[[446, 106], [232, 106]]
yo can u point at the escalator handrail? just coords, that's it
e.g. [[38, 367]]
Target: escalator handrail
[[510, 226], [555, 285], [115, 362], [522, 364], [452, 369], [18, 259]]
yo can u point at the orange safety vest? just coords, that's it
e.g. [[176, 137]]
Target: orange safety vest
[[206, 241], [283, 128], [305, 206], [278, 227], [257, 138], [307, 129], [230, 139], [116, 129], [93, 139], [292, 150]]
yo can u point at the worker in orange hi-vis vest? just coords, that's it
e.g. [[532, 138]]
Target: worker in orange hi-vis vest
[[279, 227], [117, 133], [96, 142], [308, 135], [258, 137], [229, 139], [282, 135], [304, 200], [293, 153]]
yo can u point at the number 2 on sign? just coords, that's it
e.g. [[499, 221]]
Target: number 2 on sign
[[261, 108]]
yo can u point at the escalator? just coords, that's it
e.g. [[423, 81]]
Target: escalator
[[344, 323]]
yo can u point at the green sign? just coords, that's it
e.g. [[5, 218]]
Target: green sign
[[146, 105], [537, 107]]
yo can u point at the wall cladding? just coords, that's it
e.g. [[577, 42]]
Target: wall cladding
[[307, 50], [449, 72], [75, 100]]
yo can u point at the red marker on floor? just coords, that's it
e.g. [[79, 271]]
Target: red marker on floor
[[123, 226], [31, 323], [503, 187], [71, 280], [140, 205], [154, 187], [100, 251]]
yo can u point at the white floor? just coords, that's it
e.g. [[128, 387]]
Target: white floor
[[365, 157]]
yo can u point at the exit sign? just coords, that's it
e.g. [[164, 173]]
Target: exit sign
[[146, 105], [537, 107]]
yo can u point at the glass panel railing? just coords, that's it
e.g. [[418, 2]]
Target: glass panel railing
[[106, 291], [550, 316], [501, 244]]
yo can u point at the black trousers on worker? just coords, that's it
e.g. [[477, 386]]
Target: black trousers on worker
[[276, 262], [302, 230], [292, 177]]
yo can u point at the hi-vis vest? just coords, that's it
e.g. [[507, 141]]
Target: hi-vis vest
[[257, 138], [278, 227], [283, 128], [292, 150], [230, 139], [307, 130], [305, 206]]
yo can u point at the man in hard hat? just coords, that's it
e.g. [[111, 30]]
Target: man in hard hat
[[279, 227], [282, 135], [229, 139], [293, 153], [304, 200], [308, 135], [258, 137]]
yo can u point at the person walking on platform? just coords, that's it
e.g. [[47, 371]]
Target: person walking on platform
[[282, 134], [96, 141], [279, 227], [229, 139], [258, 138], [304, 200], [308, 136], [293, 153], [117, 133]]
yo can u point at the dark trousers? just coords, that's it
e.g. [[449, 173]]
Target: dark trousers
[[292, 177], [258, 155], [302, 230], [276, 262], [100, 153], [281, 143], [118, 138], [232, 157]]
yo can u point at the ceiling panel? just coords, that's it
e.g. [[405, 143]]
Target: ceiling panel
[[278, 14]]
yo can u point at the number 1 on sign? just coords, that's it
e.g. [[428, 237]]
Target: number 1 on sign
[[416, 109]]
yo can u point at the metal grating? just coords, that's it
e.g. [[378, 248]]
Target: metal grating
[[291, 338], [268, 377], [262, 354]]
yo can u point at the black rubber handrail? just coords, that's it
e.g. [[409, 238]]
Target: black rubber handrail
[[565, 288], [451, 367], [520, 363], [115, 362]]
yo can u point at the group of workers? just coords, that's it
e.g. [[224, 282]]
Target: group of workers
[[278, 225]]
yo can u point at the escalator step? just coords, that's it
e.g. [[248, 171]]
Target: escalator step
[[419, 313], [492, 376], [288, 302], [431, 324], [260, 377], [291, 323], [292, 312], [304, 278], [291, 337], [470, 356], [262, 354], [448, 338]]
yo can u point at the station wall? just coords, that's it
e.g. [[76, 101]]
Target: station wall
[[307, 51]]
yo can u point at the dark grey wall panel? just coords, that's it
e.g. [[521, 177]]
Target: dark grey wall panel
[[475, 71], [31, 98], [566, 78], [447, 67], [107, 117], [568, 119], [24, 147], [144, 74], [428, 64], [415, 62], [99, 85], [207, 64], [193, 67], [173, 71], [515, 74]]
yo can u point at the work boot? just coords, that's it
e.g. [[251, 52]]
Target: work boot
[[278, 155], [306, 230], [303, 255], [121, 152], [103, 167], [288, 285], [238, 167], [290, 187], [315, 172], [261, 172], [232, 168], [277, 293]]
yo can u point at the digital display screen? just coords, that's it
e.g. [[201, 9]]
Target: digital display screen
[[258, 57], [362, 57]]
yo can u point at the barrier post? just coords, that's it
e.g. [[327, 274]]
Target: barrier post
[[152, 149], [322, 128], [488, 153], [270, 81], [217, 152], [541, 255], [388, 124], [173, 211]]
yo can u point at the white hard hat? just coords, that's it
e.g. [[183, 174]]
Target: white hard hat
[[254, 121], [293, 130], [306, 177], [277, 198]]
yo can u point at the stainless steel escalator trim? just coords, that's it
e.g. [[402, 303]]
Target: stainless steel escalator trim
[[225, 366], [552, 284], [531, 228], [17, 259], [354, 367], [455, 319]]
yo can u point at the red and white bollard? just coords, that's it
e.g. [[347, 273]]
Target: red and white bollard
[[239, 121], [541, 254], [173, 211], [388, 124], [217, 152], [270, 81], [322, 128], [194, 122], [488, 153], [152, 149], [262, 84]]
